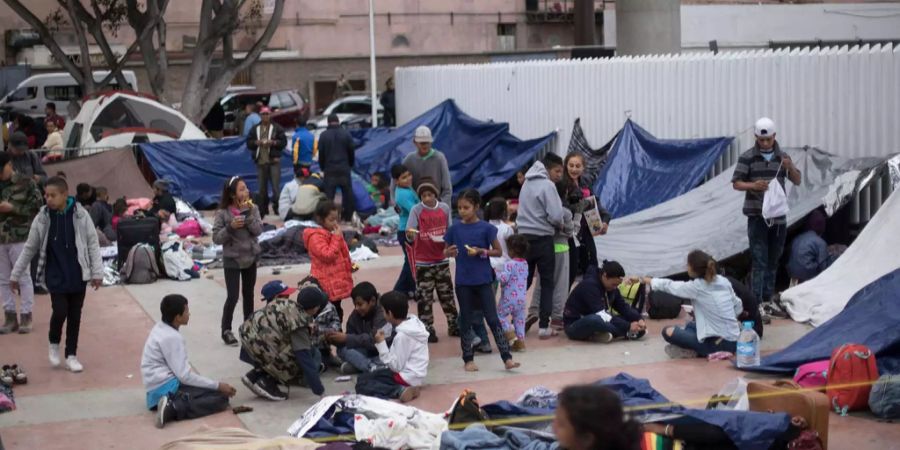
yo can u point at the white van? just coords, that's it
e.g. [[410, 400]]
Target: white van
[[31, 95]]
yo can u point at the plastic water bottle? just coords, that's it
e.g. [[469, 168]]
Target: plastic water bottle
[[748, 347]]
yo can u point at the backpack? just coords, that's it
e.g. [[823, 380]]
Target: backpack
[[661, 305], [466, 409], [850, 373], [775, 202], [140, 266], [812, 375], [884, 400], [177, 261]]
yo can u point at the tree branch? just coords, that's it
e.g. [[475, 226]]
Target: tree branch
[[47, 38], [86, 65]]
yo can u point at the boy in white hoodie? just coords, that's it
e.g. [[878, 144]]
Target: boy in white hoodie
[[407, 358]]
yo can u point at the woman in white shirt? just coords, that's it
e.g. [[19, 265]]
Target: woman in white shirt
[[716, 308]]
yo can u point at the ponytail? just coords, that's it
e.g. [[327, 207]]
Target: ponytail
[[702, 265]]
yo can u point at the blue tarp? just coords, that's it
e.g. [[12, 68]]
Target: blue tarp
[[480, 155], [199, 169], [748, 430], [642, 171], [871, 318]]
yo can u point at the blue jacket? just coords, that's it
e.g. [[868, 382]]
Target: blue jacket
[[302, 143], [590, 296], [809, 256]]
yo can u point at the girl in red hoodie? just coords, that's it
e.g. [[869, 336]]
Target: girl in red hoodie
[[329, 255]]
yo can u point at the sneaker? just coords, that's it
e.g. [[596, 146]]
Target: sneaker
[[603, 337], [165, 411], [409, 394], [54, 355], [676, 352], [25, 323], [333, 361], [73, 365], [635, 336], [228, 338], [476, 341], [547, 333], [348, 369], [484, 349], [529, 322], [250, 379], [432, 337], [270, 389]]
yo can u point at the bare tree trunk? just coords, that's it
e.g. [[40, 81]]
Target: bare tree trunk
[[88, 84], [218, 20], [149, 25]]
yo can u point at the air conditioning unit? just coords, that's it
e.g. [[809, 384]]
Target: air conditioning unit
[[18, 39]]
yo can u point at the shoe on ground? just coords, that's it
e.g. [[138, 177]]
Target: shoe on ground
[[409, 394], [603, 337], [556, 324], [19, 376], [250, 379], [632, 336], [676, 352], [270, 390], [25, 323], [529, 322], [518, 346], [73, 365], [54, 355], [228, 338], [165, 411], [11, 323], [476, 341], [322, 368], [432, 337], [6, 376], [484, 349], [547, 333], [333, 361], [348, 369]]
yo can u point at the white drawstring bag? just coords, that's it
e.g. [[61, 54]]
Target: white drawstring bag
[[775, 202]]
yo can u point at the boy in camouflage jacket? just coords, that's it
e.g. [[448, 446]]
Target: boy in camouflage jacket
[[20, 200]]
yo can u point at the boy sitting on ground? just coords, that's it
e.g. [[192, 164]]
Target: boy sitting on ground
[[277, 340], [173, 389], [407, 358], [356, 347]]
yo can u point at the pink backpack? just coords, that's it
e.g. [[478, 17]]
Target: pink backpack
[[189, 227], [812, 375]]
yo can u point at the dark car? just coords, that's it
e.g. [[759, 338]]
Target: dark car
[[288, 107]]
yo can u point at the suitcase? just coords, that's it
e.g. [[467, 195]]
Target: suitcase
[[136, 230], [788, 397]]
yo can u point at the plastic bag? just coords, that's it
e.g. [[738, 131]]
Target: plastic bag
[[775, 202], [732, 397]]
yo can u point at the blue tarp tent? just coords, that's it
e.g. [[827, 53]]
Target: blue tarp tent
[[870, 318], [642, 171], [480, 155], [200, 168]]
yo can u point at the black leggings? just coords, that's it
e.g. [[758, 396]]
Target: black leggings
[[66, 308], [245, 280]]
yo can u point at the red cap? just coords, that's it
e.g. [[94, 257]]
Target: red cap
[[265, 110]]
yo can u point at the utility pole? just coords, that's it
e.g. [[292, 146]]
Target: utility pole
[[584, 22]]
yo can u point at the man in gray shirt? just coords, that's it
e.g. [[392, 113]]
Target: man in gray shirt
[[427, 162]]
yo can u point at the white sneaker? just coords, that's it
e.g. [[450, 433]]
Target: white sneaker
[[73, 365], [54, 355]]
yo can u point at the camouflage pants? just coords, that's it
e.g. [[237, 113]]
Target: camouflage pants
[[430, 279]]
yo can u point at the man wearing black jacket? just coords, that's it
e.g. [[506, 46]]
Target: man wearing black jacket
[[357, 346], [266, 142], [336, 159], [588, 313]]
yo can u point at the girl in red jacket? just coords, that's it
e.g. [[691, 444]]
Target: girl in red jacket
[[329, 254]]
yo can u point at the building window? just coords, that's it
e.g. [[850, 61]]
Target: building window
[[506, 37]]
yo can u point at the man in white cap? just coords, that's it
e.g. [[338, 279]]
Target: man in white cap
[[427, 162], [755, 169]]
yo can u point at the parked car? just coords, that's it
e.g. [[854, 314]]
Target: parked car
[[288, 106], [352, 109], [32, 94]]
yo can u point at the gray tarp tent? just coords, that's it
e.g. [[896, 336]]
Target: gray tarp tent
[[656, 241]]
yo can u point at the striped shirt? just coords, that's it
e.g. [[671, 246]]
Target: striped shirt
[[752, 166]]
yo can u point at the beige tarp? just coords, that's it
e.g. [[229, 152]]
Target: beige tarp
[[116, 170]]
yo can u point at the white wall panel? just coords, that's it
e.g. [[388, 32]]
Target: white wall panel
[[843, 100]]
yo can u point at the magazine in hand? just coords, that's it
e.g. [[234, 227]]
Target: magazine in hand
[[592, 216]]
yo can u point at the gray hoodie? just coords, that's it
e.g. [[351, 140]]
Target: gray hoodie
[[540, 209]]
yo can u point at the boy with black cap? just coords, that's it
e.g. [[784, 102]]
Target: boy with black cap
[[428, 222], [278, 341]]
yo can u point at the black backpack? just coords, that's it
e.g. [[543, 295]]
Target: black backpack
[[466, 410], [661, 305]]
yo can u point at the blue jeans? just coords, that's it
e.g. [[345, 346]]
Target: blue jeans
[[469, 297], [405, 283], [587, 326], [359, 359], [766, 246], [686, 337], [379, 383]]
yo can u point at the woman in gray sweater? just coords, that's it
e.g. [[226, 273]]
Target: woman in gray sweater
[[236, 228]]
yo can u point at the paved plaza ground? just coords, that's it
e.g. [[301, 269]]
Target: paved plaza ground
[[104, 408]]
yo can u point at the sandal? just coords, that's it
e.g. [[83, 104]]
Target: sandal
[[18, 374]]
